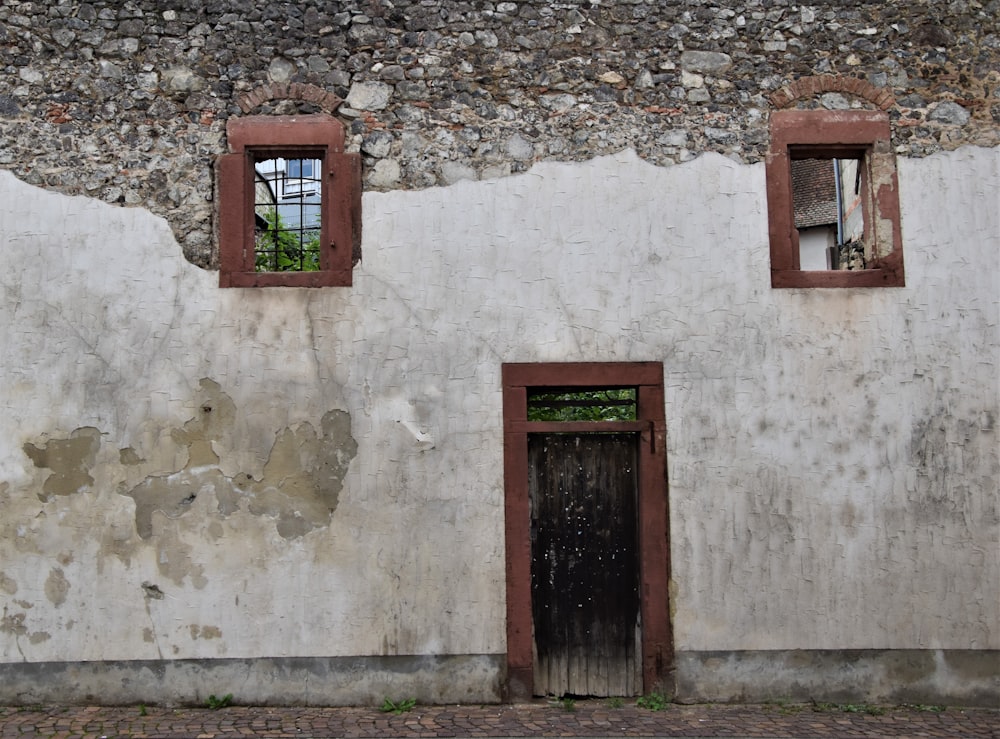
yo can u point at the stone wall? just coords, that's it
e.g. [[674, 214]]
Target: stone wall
[[127, 102], [299, 495]]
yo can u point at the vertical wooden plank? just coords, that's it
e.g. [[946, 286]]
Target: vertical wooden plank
[[585, 600]]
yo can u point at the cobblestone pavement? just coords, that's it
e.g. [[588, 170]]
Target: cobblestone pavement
[[585, 719]]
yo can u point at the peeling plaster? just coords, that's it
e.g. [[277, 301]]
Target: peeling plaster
[[69, 460], [830, 453], [300, 485], [304, 475], [7, 584], [127, 456], [13, 623], [175, 557], [205, 632]]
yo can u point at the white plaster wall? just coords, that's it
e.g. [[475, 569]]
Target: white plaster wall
[[813, 244], [832, 454]]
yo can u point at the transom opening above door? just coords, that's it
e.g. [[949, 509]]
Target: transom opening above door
[[582, 404]]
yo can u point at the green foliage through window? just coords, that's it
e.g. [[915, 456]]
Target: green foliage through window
[[596, 404], [282, 248]]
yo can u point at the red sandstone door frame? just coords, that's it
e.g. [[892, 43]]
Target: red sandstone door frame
[[654, 566]]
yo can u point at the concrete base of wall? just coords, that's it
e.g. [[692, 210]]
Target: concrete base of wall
[[313, 681], [955, 677], [945, 677]]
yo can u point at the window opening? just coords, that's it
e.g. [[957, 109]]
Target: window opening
[[832, 200], [287, 214], [289, 203], [591, 404], [829, 212]]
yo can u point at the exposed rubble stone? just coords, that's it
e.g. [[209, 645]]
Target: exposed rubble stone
[[127, 101], [949, 112]]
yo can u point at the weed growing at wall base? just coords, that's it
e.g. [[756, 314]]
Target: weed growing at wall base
[[653, 702], [217, 703], [863, 708], [391, 706]]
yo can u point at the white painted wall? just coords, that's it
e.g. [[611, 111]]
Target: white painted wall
[[832, 454], [813, 243]]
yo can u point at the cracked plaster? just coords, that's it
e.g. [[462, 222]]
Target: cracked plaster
[[829, 456]]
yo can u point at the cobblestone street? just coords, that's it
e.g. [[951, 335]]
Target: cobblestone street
[[585, 719]]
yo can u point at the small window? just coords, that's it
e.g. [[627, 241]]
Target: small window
[[290, 203], [287, 214], [829, 212], [833, 205], [301, 169]]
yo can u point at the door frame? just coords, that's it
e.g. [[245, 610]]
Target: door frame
[[654, 553]]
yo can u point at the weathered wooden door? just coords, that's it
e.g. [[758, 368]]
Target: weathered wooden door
[[585, 525], [585, 563]]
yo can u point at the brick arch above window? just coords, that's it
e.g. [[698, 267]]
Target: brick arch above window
[[807, 87], [323, 99]]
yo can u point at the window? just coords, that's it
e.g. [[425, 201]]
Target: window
[[287, 214], [832, 200], [289, 203], [301, 168]]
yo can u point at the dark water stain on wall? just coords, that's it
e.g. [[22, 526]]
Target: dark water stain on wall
[[56, 587]]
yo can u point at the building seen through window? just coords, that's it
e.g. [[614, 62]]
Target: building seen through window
[[832, 200], [287, 214], [829, 213]]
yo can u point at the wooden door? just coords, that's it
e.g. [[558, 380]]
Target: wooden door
[[583, 490], [528, 387]]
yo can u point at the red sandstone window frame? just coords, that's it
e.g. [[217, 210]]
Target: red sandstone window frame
[[313, 137], [802, 134]]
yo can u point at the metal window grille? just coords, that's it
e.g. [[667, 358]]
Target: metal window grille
[[287, 211]]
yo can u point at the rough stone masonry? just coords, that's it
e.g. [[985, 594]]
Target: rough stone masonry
[[127, 102]]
